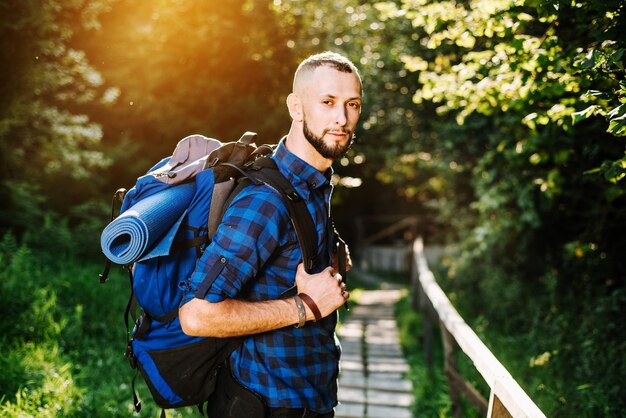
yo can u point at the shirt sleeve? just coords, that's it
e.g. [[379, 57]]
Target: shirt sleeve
[[253, 227]]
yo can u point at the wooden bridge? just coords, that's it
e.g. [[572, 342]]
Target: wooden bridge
[[372, 382]]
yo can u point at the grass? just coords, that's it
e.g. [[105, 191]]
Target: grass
[[63, 339]]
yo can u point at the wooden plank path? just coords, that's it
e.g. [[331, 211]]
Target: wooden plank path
[[371, 380]]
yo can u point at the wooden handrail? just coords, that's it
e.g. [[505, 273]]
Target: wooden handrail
[[507, 398]]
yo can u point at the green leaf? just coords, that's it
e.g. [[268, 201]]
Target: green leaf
[[617, 121], [617, 126], [618, 111], [615, 57], [590, 60], [616, 170], [593, 93], [584, 114], [592, 171]]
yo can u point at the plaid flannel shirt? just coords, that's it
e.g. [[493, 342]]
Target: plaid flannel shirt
[[290, 367]]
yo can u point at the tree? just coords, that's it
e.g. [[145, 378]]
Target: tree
[[45, 146], [215, 68], [515, 137], [524, 82]]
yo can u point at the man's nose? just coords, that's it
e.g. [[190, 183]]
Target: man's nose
[[340, 116]]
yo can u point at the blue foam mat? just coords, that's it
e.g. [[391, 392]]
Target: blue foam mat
[[136, 230]]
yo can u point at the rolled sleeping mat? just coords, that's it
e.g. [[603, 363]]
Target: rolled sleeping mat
[[130, 235]]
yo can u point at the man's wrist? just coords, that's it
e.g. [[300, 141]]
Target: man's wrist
[[308, 300]]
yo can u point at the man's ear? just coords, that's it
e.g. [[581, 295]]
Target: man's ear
[[294, 104]]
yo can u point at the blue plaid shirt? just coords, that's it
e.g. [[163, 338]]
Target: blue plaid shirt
[[290, 367]]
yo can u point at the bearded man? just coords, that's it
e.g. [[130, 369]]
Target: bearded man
[[287, 365]]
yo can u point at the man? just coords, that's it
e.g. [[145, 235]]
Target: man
[[282, 370]]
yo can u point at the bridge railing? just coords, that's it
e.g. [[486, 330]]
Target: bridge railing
[[506, 398], [387, 258]]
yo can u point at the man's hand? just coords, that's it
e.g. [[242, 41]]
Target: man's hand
[[326, 288]]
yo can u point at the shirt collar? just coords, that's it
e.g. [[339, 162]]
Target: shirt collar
[[302, 175]]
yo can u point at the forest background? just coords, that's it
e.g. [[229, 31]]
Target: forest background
[[500, 124]]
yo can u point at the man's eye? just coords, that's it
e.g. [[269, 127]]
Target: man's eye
[[327, 102], [354, 105]]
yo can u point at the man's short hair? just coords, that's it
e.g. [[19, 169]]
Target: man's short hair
[[327, 58]]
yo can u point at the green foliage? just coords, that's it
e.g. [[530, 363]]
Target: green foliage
[[45, 145], [513, 136], [49, 391], [115, 84], [539, 245], [60, 330]]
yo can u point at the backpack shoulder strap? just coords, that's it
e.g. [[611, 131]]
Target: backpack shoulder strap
[[264, 170]]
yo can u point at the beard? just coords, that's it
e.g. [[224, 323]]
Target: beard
[[327, 151]]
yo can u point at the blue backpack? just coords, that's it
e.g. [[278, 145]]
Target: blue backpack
[[166, 221]]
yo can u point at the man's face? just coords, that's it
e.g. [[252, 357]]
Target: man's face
[[331, 105]]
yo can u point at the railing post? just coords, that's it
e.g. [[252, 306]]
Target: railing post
[[415, 280], [421, 304], [449, 353], [496, 409], [427, 330]]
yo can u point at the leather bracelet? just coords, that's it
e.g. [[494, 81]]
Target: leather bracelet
[[312, 306], [301, 311]]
